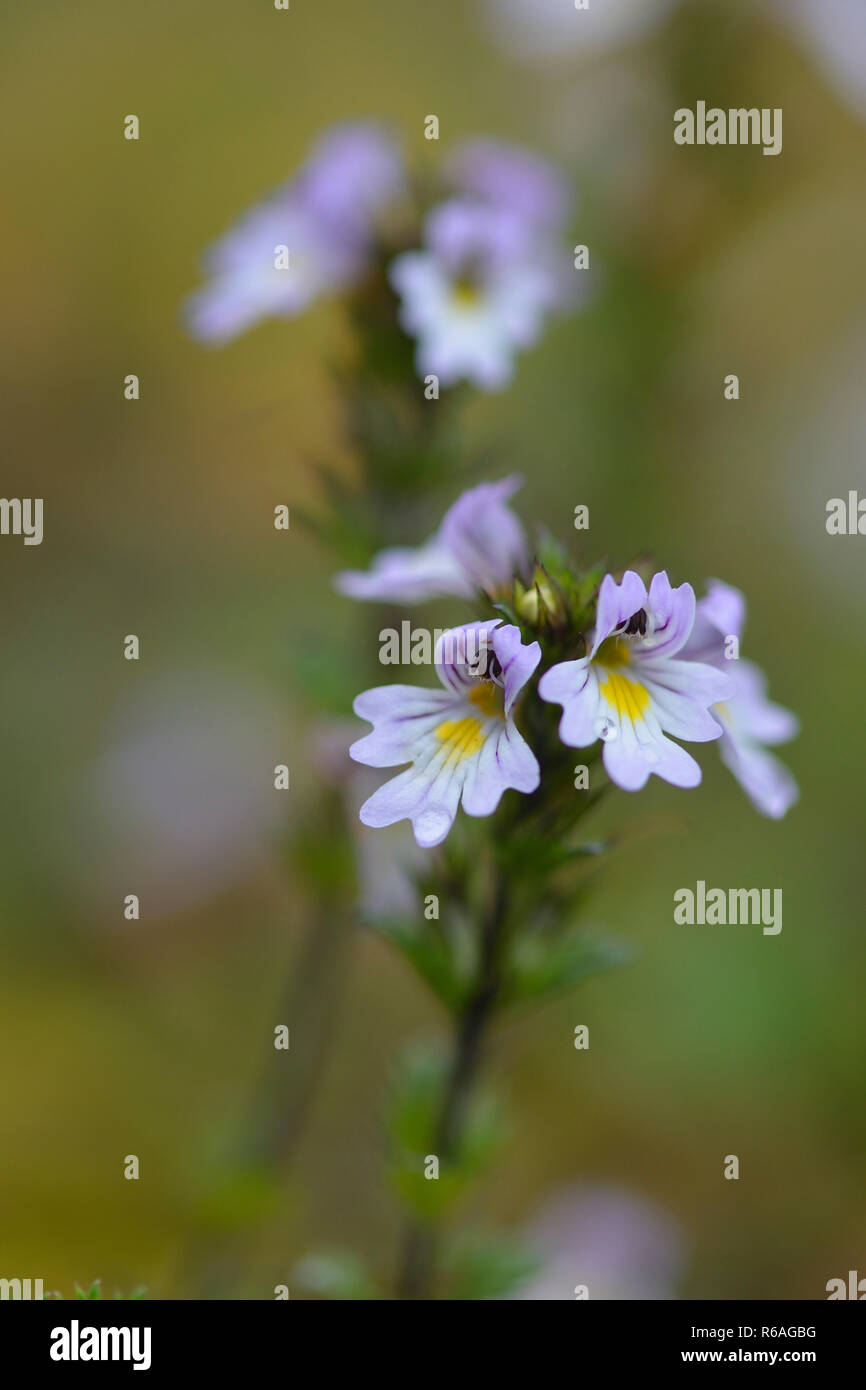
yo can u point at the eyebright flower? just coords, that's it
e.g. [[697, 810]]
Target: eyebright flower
[[462, 741], [634, 687], [479, 545], [476, 294], [324, 218], [748, 720], [512, 179]]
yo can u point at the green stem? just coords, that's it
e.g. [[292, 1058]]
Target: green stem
[[419, 1252]]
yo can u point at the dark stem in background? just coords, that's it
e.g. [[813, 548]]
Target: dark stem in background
[[272, 1122], [419, 1252]]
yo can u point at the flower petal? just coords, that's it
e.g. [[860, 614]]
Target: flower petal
[[763, 777], [616, 604], [752, 714], [574, 685], [517, 659], [484, 536], [673, 616], [406, 574], [630, 759], [506, 761], [458, 653], [401, 714], [682, 692], [719, 614], [430, 805]]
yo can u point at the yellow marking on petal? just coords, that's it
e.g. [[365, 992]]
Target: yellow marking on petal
[[722, 711], [466, 294], [628, 697], [463, 738], [613, 652], [487, 697]]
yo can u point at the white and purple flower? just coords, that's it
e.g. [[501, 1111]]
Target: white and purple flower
[[477, 293], [634, 687], [512, 179], [462, 741], [310, 238], [479, 545], [748, 720]]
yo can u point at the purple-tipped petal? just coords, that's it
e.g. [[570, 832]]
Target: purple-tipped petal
[[484, 536], [479, 545], [407, 575], [764, 778], [672, 612], [616, 604], [512, 179], [400, 714], [517, 660], [757, 717]]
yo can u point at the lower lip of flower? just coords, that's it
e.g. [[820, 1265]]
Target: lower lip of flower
[[462, 738], [627, 697]]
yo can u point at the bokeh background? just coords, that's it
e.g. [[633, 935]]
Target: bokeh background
[[155, 777]]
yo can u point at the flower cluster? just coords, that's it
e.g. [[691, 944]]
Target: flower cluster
[[487, 273], [651, 669]]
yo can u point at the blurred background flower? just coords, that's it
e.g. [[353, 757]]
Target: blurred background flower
[[313, 237], [834, 35], [183, 790], [616, 1243]]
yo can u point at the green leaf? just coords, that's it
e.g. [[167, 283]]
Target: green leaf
[[424, 948], [94, 1292], [487, 1267], [541, 965], [413, 1123]]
